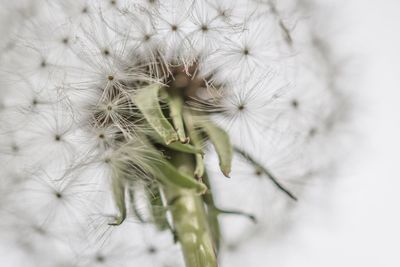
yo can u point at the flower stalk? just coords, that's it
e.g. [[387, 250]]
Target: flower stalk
[[190, 220]]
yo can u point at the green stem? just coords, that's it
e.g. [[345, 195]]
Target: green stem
[[190, 219], [211, 215]]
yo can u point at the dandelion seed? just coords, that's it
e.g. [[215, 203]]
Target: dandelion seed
[[65, 40]]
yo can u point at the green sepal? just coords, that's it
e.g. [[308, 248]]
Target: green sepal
[[187, 148], [177, 146], [158, 211], [118, 190], [168, 173], [147, 101], [199, 169], [196, 140], [175, 105], [134, 207], [222, 144]]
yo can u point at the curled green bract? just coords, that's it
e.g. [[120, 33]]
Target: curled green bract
[[177, 146], [166, 172], [147, 101], [175, 104], [158, 211], [197, 143], [118, 190], [222, 144]]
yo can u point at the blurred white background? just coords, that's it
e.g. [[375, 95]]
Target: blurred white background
[[357, 223]]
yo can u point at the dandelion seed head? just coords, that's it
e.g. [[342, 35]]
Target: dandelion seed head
[[71, 124]]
